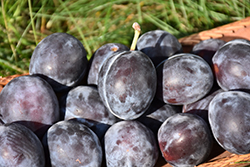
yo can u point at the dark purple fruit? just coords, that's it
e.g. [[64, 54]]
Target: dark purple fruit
[[31, 101], [229, 118], [130, 143], [20, 147], [231, 65], [97, 127], [157, 113], [71, 143], [200, 107], [185, 140], [100, 55], [207, 48], [163, 112], [127, 84], [61, 60], [85, 102], [158, 45], [183, 78]]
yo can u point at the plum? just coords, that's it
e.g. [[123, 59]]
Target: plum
[[31, 101], [183, 78], [100, 55], [159, 45], [71, 143], [61, 60], [231, 63], [97, 127], [157, 113], [229, 118], [127, 83], [85, 102], [207, 48], [200, 107], [130, 143], [163, 112], [20, 147], [185, 140]]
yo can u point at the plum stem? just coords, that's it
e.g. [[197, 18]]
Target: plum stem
[[137, 29]]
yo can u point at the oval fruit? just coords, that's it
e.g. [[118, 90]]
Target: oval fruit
[[61, 60], [229, 115], [127, 84], [183, 78], [185, 140]]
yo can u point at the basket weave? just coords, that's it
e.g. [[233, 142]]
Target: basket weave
[[238, 29], [218, 158]]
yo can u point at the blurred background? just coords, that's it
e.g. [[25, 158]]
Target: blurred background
[[23, 23]]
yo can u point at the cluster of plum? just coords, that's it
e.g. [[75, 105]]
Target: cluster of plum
[[127, 106]]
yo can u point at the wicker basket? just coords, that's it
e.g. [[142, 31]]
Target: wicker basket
[[239, 29]]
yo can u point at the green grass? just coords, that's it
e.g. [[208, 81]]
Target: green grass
[[243, 163], [23, 23]]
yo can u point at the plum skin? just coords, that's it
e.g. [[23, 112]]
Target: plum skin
[[130, 143], [127, 84], [231, 63], [99, 57], [85, 102], [71, 143], [185, 140], [207, 48], [159, 45], [157, 113], [229, 115], [31, 101], [200, 107], [183, 79], [20, 147], [61, 60]]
